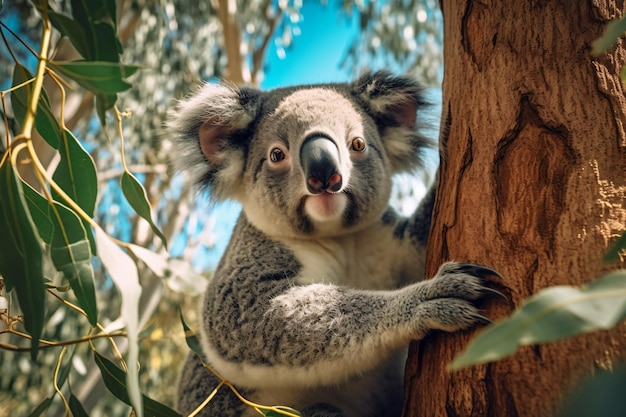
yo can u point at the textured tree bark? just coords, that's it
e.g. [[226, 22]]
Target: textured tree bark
[[532, 183]]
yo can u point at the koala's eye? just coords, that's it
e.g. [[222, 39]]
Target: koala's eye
[[358, 144], [276, 155]]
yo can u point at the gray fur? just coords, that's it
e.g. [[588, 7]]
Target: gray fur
[[317, 295]]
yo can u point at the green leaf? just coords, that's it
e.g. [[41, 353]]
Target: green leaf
[[275, 413], [71, 254], [115, 381], [91, 15], [123, 272], [76, 407], [110, 50], [40, 212], [70, 247], [76, 175], [602, 396], [612, 31], [21, 253], [64, 371], [138, 199], [104, 102], [618, 247], [45, 120], [72, 30], [99, 77], [192, 339], [552, 314], [42, 407]]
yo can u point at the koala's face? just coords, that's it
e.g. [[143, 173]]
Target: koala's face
[[306, 161], [316, 166]]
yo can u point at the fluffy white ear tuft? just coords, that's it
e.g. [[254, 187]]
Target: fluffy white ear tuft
[[207, 131], [393, 102]]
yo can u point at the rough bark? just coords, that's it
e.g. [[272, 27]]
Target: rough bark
[[532, 183]]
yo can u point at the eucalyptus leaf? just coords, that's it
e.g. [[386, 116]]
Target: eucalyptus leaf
[[277, 413], [123, 272], [552, 314], [104, 102], [192, 339], [108, 45], [64, 371], [76, 175], [71, 254], [76, 407], [70, 247], [40, 212], [42, 407], [21, 253], [45, 120], [612, 31], [138, 199], [72, 30], [115, 381], [618, 247], [99, 77], [601, 396]]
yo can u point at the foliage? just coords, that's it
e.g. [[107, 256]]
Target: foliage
[[552, 314], [63, 203], [415, 49]]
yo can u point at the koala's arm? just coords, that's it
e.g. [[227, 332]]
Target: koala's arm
[[261, 325]]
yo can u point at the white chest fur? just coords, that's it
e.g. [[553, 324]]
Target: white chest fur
[[369, 259]]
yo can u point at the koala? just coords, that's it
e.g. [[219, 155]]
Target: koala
[[320, 289]]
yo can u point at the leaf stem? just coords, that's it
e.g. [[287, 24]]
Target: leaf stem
[[54, 381]]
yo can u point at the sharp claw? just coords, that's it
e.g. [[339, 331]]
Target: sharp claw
[[478, 270], [482, 319], [496, 292]]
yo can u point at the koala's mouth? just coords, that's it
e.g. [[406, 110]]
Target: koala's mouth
[[326, 206]]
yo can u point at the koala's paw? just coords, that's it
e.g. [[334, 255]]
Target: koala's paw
[[447, 299], [459, 280]]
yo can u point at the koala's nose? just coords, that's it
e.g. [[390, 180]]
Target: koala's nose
[[319, 157]]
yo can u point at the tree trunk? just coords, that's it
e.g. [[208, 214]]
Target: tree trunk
[[532, 184]]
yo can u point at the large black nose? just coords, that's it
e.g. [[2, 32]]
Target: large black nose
[[319, 158]]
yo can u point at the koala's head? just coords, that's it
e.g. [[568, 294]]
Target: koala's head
[[306, 161]]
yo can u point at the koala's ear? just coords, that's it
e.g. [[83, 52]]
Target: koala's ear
[[209, 132], [393, 102]]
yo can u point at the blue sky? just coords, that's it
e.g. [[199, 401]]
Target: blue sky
[[316, 52]]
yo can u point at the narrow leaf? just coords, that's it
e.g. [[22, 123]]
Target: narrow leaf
[[76, 407], [64, 371], [99, 77], [70, 247], [76, 175], [277, 413], [618, 247], [45, 120], [72, 30], [21, 253], [612, 31], [71, 254], [115, 381], [40, 211], [552, 314], [138, 199], [192, 339], [108, 46], [123, 272], [42, 407]]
